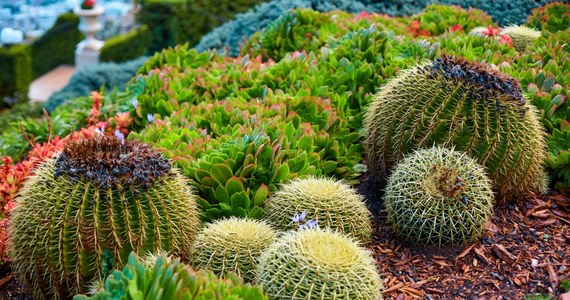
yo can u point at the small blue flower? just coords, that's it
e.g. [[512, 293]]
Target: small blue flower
[[120, 135], [298, 218], [150, 118], [312, 224], [135, 102]]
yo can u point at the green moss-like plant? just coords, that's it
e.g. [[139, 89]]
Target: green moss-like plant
[[318, 264], [438, 196], [232, 245], [467, 105], [92, 205], [521, 36], [165, 278], [332, 203]]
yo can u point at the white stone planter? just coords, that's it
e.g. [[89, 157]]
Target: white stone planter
[[87, 51]]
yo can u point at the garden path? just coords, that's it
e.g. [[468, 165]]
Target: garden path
[[44, 86]]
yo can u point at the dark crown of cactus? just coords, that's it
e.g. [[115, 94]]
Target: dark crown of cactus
[[109, 162], [453, 102]]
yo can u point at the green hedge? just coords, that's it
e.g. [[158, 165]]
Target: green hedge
[[128, 46], [57, 45], [174, 22], [15, 72]]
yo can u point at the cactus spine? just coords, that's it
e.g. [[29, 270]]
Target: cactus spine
[[438, 196]]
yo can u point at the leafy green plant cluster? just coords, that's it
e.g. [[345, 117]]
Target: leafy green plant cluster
[[163, 278], [15, 74], [437, 19], [552, 17]]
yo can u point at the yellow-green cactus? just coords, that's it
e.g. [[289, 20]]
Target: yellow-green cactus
[[521, 36], [318, 264], [467, 105], [438, 196], [89, 207], [232, 244], [332, 203]]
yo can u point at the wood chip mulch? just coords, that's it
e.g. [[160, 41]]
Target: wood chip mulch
[[525, 250]]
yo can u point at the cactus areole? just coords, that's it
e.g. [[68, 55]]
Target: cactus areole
[[452, 102], [84, 211]]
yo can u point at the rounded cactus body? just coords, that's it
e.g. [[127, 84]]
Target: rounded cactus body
[[318, 264], [521, 36], [332, 203], [232, 245], [87, 209], [438, 196], [466, 105]]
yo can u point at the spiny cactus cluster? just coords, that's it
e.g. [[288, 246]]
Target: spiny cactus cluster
[[521, 36], [232, 245], [318, 264], [164, 278], [91, 206], [467, 105], [438, 196], [333, 204]]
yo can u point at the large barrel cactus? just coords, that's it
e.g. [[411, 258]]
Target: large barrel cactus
[[84, 211], [318, 264], [332, 203], [438, 196], [467, 105]]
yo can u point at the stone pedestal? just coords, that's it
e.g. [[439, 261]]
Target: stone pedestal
[[87, 51]]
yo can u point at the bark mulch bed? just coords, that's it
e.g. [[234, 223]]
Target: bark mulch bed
[[525, 250]]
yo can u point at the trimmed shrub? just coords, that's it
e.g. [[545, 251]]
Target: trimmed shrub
[[454, 102], [57, 45], [333, 204], [88, 79], [165, 278], [438, 196], [174, 22], [232, 245], [128, 46], [15, 74], [317, 264], [92, 205]]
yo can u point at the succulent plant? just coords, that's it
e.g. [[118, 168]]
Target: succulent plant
[[521, 36], [165, 278], [232, 245], [101, 197], [332, 203], [318, 264], [438, 196], [466, 105]]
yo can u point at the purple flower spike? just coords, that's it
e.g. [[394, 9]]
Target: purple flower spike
[[120, 136], [312, 224], [150, 118], [298, 218]]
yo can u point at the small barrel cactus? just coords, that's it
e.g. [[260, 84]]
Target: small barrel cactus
[[165, 278], [331, 203], [93, 204], [521, 36], [467, 105], [438, 196], [318, 264], [232, 245]]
